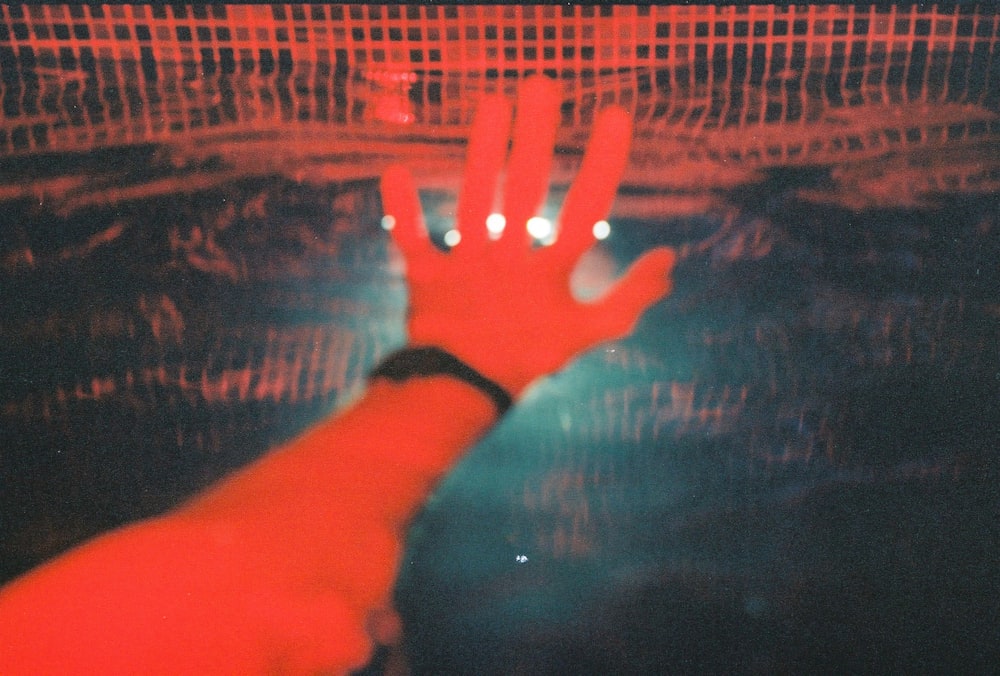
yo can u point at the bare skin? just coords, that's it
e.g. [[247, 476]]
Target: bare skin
[[278, 568]]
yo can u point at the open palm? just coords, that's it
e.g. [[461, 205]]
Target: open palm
[[503, 304]]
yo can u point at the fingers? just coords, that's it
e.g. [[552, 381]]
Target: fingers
[[592, 193], [484, 161], [526, 181], [401, 203], [527, 176], [643, 284]]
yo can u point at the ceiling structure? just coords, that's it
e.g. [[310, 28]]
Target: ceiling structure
[[319, 93]]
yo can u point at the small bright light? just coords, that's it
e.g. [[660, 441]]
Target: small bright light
[[602, 229], [452, 237], [541, 229], [388, 222], [495, 223]]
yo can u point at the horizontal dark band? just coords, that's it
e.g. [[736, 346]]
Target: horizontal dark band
[[421, 362]]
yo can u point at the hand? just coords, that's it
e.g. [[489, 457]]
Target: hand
[[502, 304]]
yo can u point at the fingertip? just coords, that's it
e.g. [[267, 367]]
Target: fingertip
[[616, 115], [664, 257], [394, 178], [656, 268], [396, 187], [496, 111], [539, 88], [615, 124], [538, 99], [396, 170]]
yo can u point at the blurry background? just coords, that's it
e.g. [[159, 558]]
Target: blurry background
[[791, 466]]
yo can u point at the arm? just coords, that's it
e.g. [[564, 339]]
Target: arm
[[275, 569]]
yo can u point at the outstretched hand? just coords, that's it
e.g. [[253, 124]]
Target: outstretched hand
[[503, 304]]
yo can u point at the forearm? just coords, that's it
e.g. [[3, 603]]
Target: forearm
[[376, 460], [242, 564]]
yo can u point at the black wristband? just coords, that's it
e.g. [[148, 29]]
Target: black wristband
[[416, 362]]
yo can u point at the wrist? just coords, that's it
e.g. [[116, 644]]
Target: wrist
[[424, 361]]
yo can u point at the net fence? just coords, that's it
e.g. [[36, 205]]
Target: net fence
[[79, 76]]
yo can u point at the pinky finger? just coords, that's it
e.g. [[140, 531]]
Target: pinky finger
[[404, 217]]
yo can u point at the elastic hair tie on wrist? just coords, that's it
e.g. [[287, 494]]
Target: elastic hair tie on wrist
[[418, 362]]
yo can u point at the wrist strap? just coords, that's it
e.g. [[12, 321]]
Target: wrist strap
[[417, 362]]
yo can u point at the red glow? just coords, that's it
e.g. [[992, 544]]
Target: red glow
[[288, 566], [280, 567]]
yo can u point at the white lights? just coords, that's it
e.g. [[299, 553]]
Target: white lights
[[541, 229], [495, 223]]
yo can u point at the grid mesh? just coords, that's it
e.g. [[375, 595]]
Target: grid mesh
[[788, 389], [483, 38], [83, 76]]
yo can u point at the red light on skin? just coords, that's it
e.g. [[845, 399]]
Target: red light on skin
[[495, 224], [541, 230]]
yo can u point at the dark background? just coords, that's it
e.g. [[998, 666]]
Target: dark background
[[790, 467]]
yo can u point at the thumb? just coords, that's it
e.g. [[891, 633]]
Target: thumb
[[645, 282]]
